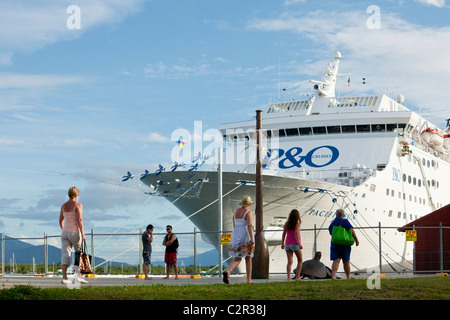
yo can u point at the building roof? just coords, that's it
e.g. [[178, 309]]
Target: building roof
[[431, 219]]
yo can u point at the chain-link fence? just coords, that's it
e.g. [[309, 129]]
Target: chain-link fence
[[386, 249]]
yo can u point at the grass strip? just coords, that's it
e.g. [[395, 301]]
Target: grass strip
[[429, 288]]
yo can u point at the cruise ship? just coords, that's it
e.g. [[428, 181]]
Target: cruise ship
[[384, 164]]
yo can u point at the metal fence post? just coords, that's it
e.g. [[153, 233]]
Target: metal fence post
[[315, 240], [379, 245], [220, 209], [414, 252], [141, 270], [3, 254], [92, 251], [441, 249], [195, 250], [45, 254]]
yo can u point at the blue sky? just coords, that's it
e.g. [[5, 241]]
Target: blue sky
[[83, 106]]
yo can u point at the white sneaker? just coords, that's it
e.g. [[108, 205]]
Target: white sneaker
[[81, 280], [66, 281]]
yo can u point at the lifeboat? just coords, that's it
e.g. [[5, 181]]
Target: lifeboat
[[447, 141], [432, 137]]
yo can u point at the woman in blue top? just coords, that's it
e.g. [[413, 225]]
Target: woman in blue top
[[338, 252]]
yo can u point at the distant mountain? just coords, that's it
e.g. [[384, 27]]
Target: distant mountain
[[25, 252], [207, 258]]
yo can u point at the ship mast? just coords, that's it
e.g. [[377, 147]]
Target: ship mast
[[326, 87]]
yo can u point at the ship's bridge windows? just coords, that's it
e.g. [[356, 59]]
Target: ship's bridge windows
[[390, 127], [280, 133], [292, 132], [319, 130], [378, 128], [363, 128], [333, 129], [348, 129], [305, 131]]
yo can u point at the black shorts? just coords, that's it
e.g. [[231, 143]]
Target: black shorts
[[147, 255]]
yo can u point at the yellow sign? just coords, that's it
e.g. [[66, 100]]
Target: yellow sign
[[226, 238], [411, 235]]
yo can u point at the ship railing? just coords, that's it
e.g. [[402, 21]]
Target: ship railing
[[348, 176], [121, 253], [414, 138]]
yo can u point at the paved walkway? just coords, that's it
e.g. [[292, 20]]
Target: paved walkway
[[9, 281]]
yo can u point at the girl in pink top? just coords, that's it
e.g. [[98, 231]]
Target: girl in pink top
[[291, 243]]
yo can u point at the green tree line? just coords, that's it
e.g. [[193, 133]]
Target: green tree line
[[104, 269]]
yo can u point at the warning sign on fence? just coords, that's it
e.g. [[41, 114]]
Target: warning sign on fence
[[411, 235], [226, 238]]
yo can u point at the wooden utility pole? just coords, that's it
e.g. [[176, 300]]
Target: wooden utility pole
[[260, 265]]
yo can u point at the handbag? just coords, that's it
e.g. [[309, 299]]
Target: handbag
[[342, 236], [83, 260]]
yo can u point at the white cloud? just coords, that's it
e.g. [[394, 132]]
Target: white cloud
[[156, 137], [79, 142], [437, 3], [402, 57], [32, 81], [26, 26], [177, 71], [292, 2], [5, 141]]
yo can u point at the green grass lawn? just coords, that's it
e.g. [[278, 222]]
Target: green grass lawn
[[427, 288]]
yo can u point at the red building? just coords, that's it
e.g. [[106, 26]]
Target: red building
[[430, 237]]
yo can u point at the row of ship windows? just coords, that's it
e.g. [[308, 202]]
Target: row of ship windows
[[431, 183], [306, 131], [403, 214], [403, 195], [428, 163], [359, 128], [400, 214]]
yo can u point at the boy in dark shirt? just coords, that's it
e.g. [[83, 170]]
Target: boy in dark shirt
[[147, 239]]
